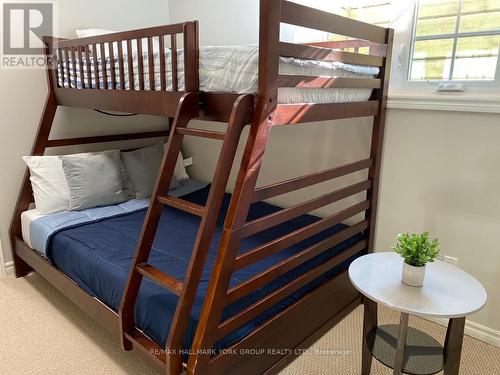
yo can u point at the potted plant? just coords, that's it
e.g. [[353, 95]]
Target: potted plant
[[416, 250]]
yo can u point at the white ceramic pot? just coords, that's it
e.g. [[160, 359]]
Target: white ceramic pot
[[413, 276]]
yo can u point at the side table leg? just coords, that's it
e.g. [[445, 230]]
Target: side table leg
[[369, 323], [400, 348], [453, 345]]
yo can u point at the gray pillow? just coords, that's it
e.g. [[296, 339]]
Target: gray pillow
[[94, 179], [128, 189], [141, 167]]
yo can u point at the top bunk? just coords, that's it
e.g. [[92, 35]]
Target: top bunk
[[101, 72], [148, 71]]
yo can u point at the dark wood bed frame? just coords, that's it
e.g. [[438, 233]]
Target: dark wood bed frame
[[301, 323]]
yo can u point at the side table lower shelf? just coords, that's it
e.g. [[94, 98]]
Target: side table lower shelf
[[423, 355]]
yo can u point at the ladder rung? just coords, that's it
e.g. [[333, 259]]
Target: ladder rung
[[182, 204], [202, 133], [155, 275]]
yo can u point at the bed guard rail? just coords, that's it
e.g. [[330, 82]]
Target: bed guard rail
[[359, 37], [143, 71]]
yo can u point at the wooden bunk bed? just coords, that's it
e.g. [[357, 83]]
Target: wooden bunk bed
[[299, 324]]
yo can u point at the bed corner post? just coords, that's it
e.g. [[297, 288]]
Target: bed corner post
[[191, 48], [377, 140], [39, 145]]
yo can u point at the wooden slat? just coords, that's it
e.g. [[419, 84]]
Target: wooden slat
[[301, 51], [121, 67], [124, 35], [157, 276], [104, 67], [105, 138], [292, 238], [151, 65], [163, 74], [88, 67], [53, 61], [264, 277], [202, 133], [289, 114], [182, 204], [140, 64], [96, 67], [55, 64], [312, 18], [283, 187], [175, 78], [80, 66], [320, 82], [73, 63], [131, 83], [68, 72], [275, 297], [112, 65], [292, 212], [61, 67]]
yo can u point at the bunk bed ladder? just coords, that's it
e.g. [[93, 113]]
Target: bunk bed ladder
[[185, 289]]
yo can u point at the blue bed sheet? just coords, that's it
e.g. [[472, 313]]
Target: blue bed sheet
[[97, 256]]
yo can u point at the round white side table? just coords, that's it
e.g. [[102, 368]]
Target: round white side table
[[448, 292]]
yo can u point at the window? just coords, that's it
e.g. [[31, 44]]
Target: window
[[455, 40]]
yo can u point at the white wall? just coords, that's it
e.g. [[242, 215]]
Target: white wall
[[440, 173], [222, 22], [440, 169], [22, 95]]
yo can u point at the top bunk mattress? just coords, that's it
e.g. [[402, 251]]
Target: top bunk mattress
[[233, 69]]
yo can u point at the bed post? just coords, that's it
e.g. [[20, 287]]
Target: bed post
[[191, 53], [39, 145], [206, 333], [377, 141]]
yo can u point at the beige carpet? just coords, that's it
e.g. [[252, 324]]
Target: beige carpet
[[44, 333]]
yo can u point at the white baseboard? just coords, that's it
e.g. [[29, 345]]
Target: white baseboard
[[9, 269], [478, 331]]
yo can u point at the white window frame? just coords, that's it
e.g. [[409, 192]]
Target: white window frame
[[402, 60]]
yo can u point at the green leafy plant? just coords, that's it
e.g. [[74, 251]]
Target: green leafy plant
[[417, 249]]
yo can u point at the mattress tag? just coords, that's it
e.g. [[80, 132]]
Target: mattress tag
[[188, 162]]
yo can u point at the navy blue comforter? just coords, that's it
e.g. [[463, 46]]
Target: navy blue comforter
[[97, 257]]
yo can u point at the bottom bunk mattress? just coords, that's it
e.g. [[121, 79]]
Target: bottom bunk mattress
[[97, 256]]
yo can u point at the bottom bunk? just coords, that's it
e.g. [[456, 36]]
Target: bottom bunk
[[96, 255]]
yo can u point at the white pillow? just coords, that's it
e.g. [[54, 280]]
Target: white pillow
[[50, 188], [85, 33], [180, 169]]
